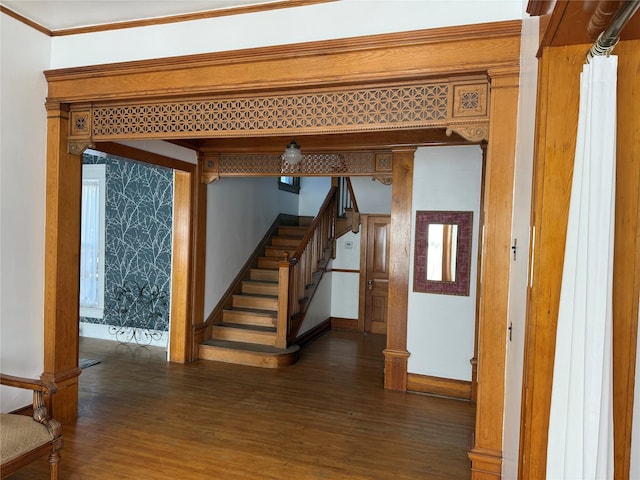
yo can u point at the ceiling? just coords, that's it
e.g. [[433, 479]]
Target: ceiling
[[68, 14]]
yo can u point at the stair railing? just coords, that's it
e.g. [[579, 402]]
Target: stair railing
[[296, 274], [346, 199]]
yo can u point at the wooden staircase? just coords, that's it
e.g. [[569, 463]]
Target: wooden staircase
[[247, 333]]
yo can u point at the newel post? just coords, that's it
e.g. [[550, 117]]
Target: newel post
[[282, 326]]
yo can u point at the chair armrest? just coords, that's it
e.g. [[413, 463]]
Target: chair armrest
[[27, 383], [40, 389]]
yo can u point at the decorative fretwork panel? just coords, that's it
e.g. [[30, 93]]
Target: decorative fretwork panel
[[349, 110], [322, 164]]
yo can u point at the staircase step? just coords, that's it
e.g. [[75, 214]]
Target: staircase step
[[261, 302], [260, 287], [292, 231], [285, 241], [269, 262], [305, 221], [244, 333], [247, 353], [250, 316], [279, 251], [264, 274]]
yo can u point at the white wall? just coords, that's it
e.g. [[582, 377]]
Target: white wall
[[371, 195], [441, 328], [347, 18], [346, 285], [320, 307], [313, 191], [239, 213], [25, 54], [520, 230]]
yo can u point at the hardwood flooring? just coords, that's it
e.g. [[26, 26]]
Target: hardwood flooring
[[326, 417]]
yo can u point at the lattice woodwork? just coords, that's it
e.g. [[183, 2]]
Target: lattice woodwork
[[313, 164], [339, 110], [371, 108], [460, 105]]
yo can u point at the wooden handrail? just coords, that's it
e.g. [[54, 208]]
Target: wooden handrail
[[296, 274], [314, 224], [352, 195]]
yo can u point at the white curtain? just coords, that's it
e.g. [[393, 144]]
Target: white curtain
[[90, 246], [581, 421]]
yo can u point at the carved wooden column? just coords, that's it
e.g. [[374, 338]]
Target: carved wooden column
[[486, 454], [62, 266], [396, 354]]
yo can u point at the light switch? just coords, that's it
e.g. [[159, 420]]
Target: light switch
[[348, 245]]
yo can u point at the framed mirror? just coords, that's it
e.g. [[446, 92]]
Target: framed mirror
[[442, 258]]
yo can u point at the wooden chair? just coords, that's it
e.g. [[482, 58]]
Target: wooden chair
[[24, 438]]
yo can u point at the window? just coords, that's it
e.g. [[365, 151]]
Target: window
[[289, 184], [92, 242]]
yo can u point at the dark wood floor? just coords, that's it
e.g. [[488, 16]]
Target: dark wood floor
[[326, 417]]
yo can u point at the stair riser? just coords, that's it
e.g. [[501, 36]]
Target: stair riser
[[292, 231], [245, 318], [247, 336], [279, 251], [268, 262], [264, 275], [245, 301], [239, 357], [260, 288], [285, 241]]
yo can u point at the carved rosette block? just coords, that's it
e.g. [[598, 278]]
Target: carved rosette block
[[383, 167], [470, 100], [209, 168], [80, 121]]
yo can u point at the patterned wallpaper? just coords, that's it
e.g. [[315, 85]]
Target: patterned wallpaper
[[138, 234]]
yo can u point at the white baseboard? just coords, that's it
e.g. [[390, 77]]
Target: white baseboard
[[94, 330]]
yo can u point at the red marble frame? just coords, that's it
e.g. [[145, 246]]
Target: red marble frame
[[464, 221]]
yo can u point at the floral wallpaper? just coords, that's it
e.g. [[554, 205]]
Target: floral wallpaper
[[138, 234]]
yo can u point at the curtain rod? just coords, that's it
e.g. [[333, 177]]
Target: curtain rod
[[608, 39]]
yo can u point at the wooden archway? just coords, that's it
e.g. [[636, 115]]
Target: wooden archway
[[459, 79]]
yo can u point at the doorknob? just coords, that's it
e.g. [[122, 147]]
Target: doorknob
[[370, 284]]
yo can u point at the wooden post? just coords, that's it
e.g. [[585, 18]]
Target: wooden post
[[62, 266], [283, 303], [486, 454], [396, 354]]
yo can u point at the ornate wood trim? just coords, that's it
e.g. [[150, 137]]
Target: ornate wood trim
[[399, 57], [454, 56], [461, 105]]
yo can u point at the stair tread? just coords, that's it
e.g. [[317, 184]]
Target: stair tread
[[259, 295], [260, 282], [252, 347], [242, 326]]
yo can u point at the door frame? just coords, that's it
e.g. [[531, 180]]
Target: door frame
[[490, 51]]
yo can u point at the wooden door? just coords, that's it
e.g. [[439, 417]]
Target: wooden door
[[377, 274]]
